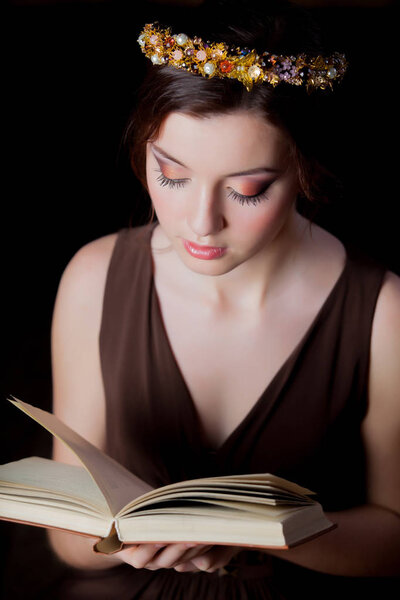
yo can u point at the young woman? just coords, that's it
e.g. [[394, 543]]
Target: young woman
[[232, 334]]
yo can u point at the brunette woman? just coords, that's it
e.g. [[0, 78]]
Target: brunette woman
[[232, 334]]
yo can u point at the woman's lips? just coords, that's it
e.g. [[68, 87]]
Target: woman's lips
[[203, 252]]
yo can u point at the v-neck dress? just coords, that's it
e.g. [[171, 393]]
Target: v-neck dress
[[305, 426]]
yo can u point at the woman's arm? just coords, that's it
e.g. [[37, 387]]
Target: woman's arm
[[79, 400], [367, 539], [78, 394]]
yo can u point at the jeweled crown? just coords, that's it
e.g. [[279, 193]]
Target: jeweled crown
[[217, 59]]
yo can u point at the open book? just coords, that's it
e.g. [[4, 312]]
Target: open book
[[104, 500]]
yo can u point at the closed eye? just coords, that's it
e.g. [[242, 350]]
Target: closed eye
[[256, 199], [172, 183], [241, 198]]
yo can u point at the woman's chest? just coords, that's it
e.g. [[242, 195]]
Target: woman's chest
[[227, 361]]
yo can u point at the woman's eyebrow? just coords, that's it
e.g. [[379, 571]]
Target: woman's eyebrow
[[239, 174]]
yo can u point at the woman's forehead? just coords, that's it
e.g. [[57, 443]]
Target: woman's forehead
[[233, 136]]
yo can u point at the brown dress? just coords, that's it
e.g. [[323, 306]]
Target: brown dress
[[304, 427]]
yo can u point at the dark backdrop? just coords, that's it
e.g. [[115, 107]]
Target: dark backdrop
[[71, 77]]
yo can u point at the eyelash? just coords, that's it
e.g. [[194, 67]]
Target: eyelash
[[178, 183]]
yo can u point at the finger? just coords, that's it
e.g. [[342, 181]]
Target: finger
[[139, 555], [174, 554], [193, 551], [215, 558], [189, 565], [196, 550], [186, 567]]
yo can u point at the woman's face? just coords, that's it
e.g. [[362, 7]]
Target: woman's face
[[223, 188]]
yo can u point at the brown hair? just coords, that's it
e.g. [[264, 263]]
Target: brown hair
[[279, 27]]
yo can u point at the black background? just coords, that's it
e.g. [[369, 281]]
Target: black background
[[70, 80]]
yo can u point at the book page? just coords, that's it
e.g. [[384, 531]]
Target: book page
[[259, 484], [45, 478], [118, 485], [264, 479]]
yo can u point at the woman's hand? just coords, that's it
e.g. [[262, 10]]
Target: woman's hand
[[181, 557]]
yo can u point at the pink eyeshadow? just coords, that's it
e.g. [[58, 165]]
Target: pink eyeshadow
[[169, 172], [249, 190]]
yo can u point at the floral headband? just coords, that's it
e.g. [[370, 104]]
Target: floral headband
[[217, 59]]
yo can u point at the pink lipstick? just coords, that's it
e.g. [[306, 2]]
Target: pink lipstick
[[204, 252]]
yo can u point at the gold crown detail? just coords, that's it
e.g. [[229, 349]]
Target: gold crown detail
[[217, 59]]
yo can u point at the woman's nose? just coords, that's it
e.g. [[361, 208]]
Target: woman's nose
[[205, 216]]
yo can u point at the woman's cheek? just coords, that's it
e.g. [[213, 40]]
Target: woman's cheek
[[261, 221], [158, 196], [255, 223], [254, 220], [165, 204]]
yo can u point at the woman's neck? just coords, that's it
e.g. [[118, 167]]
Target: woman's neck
[[247, 286]]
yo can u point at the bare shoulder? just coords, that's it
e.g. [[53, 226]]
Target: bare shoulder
[[387, 311], [385, 344], [78, 393], [87, 269], [381, 426], [82, 282]]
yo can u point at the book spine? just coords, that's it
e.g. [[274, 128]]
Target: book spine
[[111, 543]]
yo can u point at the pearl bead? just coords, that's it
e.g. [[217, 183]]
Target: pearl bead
[[177, 54], [181, 39], [331, 73], [254, 72], [156, 60], [141, 40], [209, 68]]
